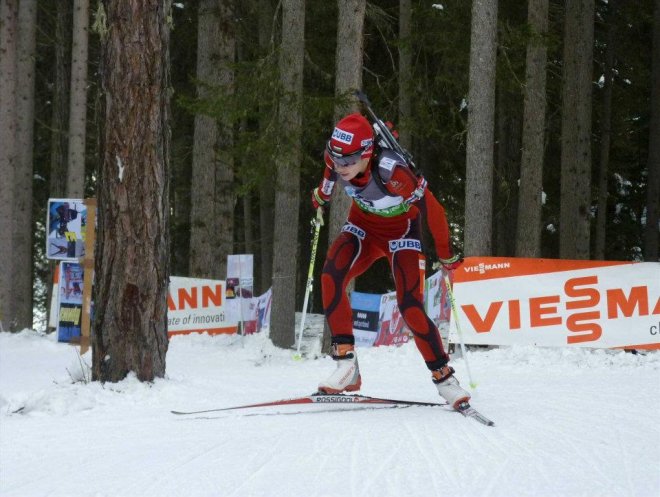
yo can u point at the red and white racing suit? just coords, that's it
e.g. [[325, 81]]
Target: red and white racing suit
[[385, 221]]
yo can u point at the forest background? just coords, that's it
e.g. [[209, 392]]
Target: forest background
[[414, 62]]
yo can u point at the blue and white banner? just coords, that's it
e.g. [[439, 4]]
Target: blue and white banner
[[366, 309]]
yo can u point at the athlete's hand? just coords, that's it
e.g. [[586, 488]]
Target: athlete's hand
[[450, 264]]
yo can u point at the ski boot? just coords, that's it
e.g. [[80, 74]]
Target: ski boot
[[448, 386], [346, 378]]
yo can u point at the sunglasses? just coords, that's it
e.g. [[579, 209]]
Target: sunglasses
[[344, 160]]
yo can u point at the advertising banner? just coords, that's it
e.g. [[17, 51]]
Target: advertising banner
[[67, 220], [197, 306], [70, 301], [263, 309], [548, 302], [366, 307], [393, 330], [437, 304]]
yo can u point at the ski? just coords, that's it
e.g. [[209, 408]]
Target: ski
[[470, 412], [341, 398], [322, 398]]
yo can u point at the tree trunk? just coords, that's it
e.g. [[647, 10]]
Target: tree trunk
[[575, 208], [287, 194], [348, 78], [606, 123], [132, 260], [8, 152], [530, 201], [405, 74], [651, 242], [212, 190], [247, 224], [78, 102], [59, 119], [481, 123], [266, 190], [508, 118], [60, 102], [266, 223], [22, 212]]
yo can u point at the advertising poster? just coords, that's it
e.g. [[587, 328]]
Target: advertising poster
[[392, 328], [558, 303], [240, 274], [70, 298], [67, 220], [366, 307], [242, 307]]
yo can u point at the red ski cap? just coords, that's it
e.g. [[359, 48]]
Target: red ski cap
[[351, 135]]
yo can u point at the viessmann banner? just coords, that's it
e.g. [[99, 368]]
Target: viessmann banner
[[550, 302]]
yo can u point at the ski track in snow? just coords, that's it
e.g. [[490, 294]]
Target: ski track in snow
[[569, 422]]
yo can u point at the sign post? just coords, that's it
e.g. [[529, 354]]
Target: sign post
[[88, 265]]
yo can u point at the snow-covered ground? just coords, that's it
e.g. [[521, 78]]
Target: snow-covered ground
[[569, 422]]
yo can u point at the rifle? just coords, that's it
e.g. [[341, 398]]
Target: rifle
[[384, 132]]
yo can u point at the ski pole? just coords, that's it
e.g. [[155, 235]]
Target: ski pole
[[317, 222], [454, 310]]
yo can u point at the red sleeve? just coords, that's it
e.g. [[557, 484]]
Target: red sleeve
[[327, 184], [436, 220]]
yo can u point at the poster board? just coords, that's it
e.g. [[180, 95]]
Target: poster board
[[70, 301], [240, 274], [66, 222]]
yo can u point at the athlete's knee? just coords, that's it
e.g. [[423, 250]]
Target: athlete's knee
[[416, 319], [341, 254]]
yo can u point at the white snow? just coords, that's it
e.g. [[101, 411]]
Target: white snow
[[569, 422], [120, 168]]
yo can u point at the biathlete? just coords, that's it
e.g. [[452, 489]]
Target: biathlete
[[384, 220]]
